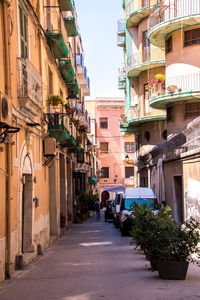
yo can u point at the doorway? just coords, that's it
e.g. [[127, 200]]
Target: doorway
[[178, 199], [27, 190]]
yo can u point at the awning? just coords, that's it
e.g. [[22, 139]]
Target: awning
[[92, 181], [114, 188]]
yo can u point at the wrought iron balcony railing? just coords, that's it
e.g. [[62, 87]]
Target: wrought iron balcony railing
[[170, 10], [29, 85]]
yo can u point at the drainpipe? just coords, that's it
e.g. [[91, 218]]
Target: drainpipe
[[6, 43]]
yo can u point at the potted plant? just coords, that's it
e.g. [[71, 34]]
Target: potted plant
[[62, 220], [55, 100], [168, 246], [67, 108], [181, 250]]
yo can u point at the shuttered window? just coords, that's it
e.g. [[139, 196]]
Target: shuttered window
[[192, 110], [23, 20], [103, 123], [170, 113], [105, 172], [129, 147], [192, 37], [104, 147], [168, 45], [129, 172]]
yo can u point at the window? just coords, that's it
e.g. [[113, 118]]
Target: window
[[192, 37], [50, 85], [164, 135], [146, 98], [105, 172], [129, 172], [146, 47], [147, 136], [103, 123], [23, 32], [104, 147], [129, 147], [168, 45], [192, 110], [170, 113]]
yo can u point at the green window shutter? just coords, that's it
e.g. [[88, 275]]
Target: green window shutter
[[23, 32]]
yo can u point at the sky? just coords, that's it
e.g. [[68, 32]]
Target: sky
[[97, 21]]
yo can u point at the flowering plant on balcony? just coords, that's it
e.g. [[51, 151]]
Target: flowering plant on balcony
[[83, 127], [156, 86], [55, 100]]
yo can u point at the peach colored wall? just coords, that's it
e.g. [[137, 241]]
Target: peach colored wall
[[182, 59]]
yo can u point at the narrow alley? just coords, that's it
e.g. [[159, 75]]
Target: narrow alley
[[93, 261]]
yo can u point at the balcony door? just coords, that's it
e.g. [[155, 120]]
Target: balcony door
[[146, 48]]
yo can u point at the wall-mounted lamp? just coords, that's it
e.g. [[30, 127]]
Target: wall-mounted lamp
[[73, 99], [127, 158], [115, 179]]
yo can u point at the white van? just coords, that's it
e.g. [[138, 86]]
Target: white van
[[139, 195]]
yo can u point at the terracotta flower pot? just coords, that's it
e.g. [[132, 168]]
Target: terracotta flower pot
[[62, 222], [55, 102], [67, 109]]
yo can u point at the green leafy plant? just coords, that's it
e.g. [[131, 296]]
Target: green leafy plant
[[162, 238], [55, 100]]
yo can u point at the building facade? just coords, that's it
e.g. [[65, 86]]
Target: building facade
[[164, 35], [113, 145], [44, 156]]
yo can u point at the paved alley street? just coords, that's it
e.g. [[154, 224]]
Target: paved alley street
[[92, 261]]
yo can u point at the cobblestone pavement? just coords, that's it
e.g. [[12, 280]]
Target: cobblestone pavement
[[92, 261]]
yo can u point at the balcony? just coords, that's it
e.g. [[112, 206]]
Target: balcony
[[55, 32], [178, 88], [168, 18], [57, 129], [70, 25], [72, 86], [79, 61], [135, 119], [140, 62], [121, 27], [136, 11], [29, 87], [86, 90], [121, 85], [66, 69], [121, 41], [127, 182], [66, 5]]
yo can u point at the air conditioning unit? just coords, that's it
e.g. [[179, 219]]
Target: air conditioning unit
[[49, 147], [5, 110]]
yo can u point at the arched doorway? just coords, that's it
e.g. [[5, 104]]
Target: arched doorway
[[104, 197], [27, 206]]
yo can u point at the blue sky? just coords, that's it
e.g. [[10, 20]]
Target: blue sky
[[97, 21]]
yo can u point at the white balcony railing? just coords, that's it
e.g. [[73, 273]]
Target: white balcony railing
[[148, 55], [184, 83], [133, 5], [29, 82], [133, 112], [177, 84], [174, 9]]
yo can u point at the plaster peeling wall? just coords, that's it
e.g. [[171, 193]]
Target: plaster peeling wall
[[41, 232], [14, 248], [193, 199], [2, 259]]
